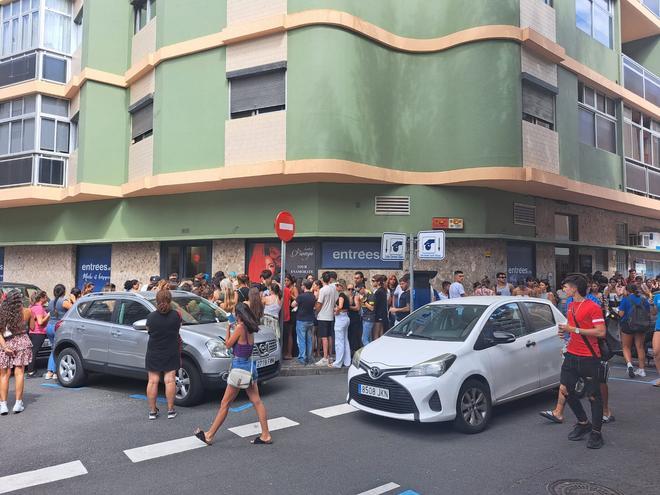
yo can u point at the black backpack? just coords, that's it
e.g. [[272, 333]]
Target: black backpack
[[639, 320]]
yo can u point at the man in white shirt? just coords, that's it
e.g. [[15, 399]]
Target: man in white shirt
[[325, 305], [456, 289]]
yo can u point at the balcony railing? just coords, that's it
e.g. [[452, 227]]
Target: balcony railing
[[33, 170], [641, 81], [653, 6]]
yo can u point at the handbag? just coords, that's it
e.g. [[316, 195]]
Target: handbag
[[240, 378], [605, 352], [7, 333]]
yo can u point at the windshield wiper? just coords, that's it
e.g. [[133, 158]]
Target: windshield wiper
[[418, 336]]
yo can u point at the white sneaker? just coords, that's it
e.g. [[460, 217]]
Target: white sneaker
[[18, 407], [322, 362], [640, 372], [3, 409]]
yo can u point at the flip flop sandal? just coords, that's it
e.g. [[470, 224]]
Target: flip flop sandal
[[200, 435], [259, 441], [550, 416], [657, 384], [609, 419]]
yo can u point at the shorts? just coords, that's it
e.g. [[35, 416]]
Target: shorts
[[625, 328], [589, 369], [326, 329]]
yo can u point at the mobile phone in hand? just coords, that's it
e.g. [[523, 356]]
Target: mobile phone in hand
[[231, 318]]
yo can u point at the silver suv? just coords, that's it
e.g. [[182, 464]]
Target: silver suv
[[106, 332]]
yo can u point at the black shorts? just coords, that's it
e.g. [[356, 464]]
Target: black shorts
[[589, 369], [326, 328]]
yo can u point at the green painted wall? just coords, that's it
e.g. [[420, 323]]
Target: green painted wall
[[320, 209], [180, 20], [190, 109], [442, 111], [107, 34], [421, 18], [583, 47], [580, 161], [646, 52], [104, 134]]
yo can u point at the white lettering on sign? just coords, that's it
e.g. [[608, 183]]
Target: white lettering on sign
[[286, 226], [350, 254], [95, 267]]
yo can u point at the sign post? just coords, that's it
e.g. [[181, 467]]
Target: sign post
[[285, 228], [412, 272]]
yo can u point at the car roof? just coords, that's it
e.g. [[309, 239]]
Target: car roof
[[145, 294], [489, 300], [17, 284]]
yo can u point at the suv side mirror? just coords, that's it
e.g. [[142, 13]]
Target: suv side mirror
[[140, 325], [500, 337]]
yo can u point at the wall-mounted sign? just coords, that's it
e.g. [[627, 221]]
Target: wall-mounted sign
[[431, 245], [301, 258], [393, 246], [446, 223], [521, 262], [94, 266], [355, 255]]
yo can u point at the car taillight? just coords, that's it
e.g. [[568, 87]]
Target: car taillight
[[58, 325]]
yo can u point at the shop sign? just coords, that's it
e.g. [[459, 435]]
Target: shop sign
[[2, 264], [301, 259], [445, 223], [94, 266], [520, 262], [393, 246], [431, 245], [355, 255]]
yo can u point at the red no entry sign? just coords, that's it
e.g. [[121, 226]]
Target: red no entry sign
[[285, 226]]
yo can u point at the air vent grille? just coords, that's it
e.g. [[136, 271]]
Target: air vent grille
[[392, 205], [524, 214]]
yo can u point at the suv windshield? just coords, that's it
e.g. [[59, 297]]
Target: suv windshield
[[196, 310], [447, 322]]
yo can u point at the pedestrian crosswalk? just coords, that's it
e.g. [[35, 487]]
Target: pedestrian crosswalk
[[41, 476], [163, 449], [379, 490], [253, 429], [332, 411]]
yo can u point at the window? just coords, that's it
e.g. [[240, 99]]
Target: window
[[18, 69], [130, 312], [653, 5], [101, 310], [621, 234], [142, 119], [55, 128], [54, 68], [187, 258], [641, 81], [78, 30], [594, 17], [74, 131], [565, 227], [257, 92], [145, 10], [641, 142], [57, 29], [538, 105], [449, 323], [597, 119], [506, 318], [16, 172], [621, 261], [17, 125], [51, 171], [540, 316], [20, 26]]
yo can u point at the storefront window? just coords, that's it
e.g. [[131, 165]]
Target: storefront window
[[565, 227], [185, 258], [93, 265]]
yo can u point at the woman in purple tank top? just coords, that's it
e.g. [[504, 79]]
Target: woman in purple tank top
[[241, 341]]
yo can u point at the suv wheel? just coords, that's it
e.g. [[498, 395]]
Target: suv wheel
[[473, 407], [188, 385], [70, 371]]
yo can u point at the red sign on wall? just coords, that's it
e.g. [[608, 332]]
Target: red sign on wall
[[446, 223]]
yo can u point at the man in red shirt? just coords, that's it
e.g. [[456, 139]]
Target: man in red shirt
[[582, 360]]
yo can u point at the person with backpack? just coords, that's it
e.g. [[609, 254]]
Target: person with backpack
[[56, 309], [635, 313]]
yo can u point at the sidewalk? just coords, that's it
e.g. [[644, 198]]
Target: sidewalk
[[294, 368]]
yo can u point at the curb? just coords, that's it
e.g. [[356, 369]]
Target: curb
[[312, 370]]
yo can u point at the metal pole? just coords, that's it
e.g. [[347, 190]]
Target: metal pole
[[282, 274], [412, 271]]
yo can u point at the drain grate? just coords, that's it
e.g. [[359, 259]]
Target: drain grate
[[579, 487]]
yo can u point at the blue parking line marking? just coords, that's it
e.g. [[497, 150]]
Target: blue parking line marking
[[632, 381], [57, 385], [244, 407], [161, 400], [409, 492]]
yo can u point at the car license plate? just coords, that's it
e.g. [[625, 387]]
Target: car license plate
[[261, 363], [381, 393]]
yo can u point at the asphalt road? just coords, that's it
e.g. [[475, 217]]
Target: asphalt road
[[343, 455]]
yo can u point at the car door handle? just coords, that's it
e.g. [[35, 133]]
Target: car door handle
[[115, 333], [530, 343]]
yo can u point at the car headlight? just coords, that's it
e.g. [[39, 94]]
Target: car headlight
[[217, 348], [433, 367], [356, 358]]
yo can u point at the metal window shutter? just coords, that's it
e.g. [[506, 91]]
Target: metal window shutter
[[635, 177], [524, 214], [143, 120], [257, 91], [538, 103], [392, 205]]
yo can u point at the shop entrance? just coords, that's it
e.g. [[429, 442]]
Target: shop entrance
[[565, 263], [185, 258]]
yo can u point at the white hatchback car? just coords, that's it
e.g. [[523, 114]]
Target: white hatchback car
[[455, 359]]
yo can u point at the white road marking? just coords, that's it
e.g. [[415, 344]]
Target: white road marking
[[381, 489], [255, 429], [162, 449], [332, 411], [41, 476]]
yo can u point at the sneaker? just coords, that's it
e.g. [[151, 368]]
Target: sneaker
[[18, 407], [171, 414], [580, 431], [595, 440], [631, 371], [3, 409], [640, 372], [322, 362], [30, 374], [153, 414], [48, 376]]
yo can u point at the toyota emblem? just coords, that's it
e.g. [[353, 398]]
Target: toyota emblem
[[375, 373]]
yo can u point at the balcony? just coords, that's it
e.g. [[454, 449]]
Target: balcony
[[33, 170], [639, 19], [641, 81]]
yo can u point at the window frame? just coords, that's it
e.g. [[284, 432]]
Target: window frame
[[134, 109], [126, 301], [531, 328], [22, 117], [592, 8], [150, 13], [573, 233], [598, 114], [113, 310], [257, 71], [19, 17]]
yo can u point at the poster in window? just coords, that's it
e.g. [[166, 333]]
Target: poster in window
[[521, 262], [586, 263], [94, 266], [301, 259]]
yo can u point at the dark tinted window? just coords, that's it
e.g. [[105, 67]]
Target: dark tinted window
[[54, 69], [51, 171], [14, 172], [18, 70], [101, 310], [131, 311], [540, 316], [506, 318]]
